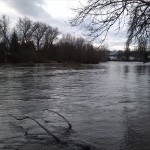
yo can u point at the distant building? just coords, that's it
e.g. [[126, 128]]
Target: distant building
[[113, 55], [131, 58]]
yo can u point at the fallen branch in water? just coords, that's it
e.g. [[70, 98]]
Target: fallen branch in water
[[45, 129], [69, 124]]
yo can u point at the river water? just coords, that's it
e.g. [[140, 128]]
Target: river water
[[108, 105]]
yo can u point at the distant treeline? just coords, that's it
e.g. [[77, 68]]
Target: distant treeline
[[133, 55], [140, 52], [37, 42]]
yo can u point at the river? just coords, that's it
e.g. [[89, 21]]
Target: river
[[108, 105]]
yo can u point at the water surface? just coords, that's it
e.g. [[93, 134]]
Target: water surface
[[108, 105]]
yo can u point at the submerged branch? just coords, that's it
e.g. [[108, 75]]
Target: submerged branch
[[64, 118], [45, 129]]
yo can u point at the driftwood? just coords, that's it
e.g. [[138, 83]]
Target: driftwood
[[45, 129], [64, 118]]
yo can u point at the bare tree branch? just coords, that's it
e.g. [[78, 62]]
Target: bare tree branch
[[97, 17]]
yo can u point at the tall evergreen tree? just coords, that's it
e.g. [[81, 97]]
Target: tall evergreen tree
[[14, 47]]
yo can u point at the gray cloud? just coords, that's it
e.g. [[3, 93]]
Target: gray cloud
[[34, 10], [31, 8]]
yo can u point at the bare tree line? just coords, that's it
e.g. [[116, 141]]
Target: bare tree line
[[30, 31], [38, 42]]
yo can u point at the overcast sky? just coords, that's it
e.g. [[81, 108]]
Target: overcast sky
[[56, 13]]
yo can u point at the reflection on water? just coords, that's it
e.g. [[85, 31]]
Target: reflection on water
[[108, 104]]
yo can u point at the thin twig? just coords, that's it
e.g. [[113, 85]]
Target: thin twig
[[69, 124]]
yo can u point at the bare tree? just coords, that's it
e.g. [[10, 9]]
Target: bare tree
[[25, 29], [98, 16], [4, 34], [51, 35], [67, 38], [39, 33], [4, 29], [80, 43], [142, 47]]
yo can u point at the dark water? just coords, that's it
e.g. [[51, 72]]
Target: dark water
[[108, 105]]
